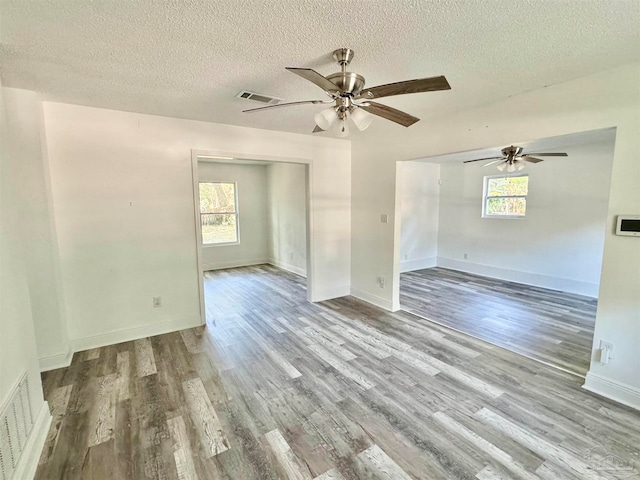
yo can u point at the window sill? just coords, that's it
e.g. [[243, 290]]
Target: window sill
[[227, 244], [505, 217]]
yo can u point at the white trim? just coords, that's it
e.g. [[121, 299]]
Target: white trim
[[54, 362], [221, 244], [233, 264], [196, 212], [288, 267], [418, 264], [330, 293], [528, 278], [258, 157], [309, 226], [613, 390], [126, 335], [374, 300], [28, 461]]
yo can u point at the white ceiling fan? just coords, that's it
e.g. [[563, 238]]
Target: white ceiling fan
[[513, 159], [350, 100]]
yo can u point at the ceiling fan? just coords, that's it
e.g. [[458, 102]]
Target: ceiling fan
[[350, 99], [513, 159]]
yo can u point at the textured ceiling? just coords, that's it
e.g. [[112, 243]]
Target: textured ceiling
[[189, 58]]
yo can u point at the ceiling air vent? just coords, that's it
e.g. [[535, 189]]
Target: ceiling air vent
[[258, 97]]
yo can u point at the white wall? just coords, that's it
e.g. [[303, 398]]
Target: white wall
[[419, 194], [603, 100], [18, 299], [123, 196], [287, 193], [251, 182], [25, 121], [558, 244]]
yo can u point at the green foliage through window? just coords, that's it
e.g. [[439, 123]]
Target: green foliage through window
[[506, 196], [218, 214]]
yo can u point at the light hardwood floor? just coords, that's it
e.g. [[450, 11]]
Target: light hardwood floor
[[284, 389], [547, 325]]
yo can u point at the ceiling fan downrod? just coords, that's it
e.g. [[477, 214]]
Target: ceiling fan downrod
[[343, 56]]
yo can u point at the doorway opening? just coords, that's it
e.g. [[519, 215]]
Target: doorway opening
[[252, 226], [527, 281]]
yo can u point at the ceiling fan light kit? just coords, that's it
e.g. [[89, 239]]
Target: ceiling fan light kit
[[511, 167], [325, 118], [361, 118], [352, 101], [513, 160]]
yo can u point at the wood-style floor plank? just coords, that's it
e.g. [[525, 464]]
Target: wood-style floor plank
[[205, 418], [182, 453], [381, 465], [145, 361], [275, 387], [293, 468], [547, 325]]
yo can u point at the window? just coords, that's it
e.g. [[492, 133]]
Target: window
[[218, 213], [505, 196]]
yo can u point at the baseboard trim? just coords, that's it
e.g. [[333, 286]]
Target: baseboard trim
[[288, 267], [373, 299], [418, 264], [527, 278], [613, 390], [126, 335], [233, 264], [28, 461], [54, 362]]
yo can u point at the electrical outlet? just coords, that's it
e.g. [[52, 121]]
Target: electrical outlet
[[466, 256], [381, 282], [157, 302], [406, 256], [384, 218], [606, 352]]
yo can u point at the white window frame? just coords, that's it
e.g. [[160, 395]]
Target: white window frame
[[485, 198], [236, 213]]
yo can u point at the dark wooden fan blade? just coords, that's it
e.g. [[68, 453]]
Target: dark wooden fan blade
[[493, 162], [530, 159], [390, 113], [288, 104], [481, 159], [315, 77], [548, 154], [410, 86], [317, 129]]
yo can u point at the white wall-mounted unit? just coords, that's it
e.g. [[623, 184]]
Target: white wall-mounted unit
[[628, 225]]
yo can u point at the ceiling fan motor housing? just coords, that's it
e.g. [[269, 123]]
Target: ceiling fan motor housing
[[511, 153], [351, 84]]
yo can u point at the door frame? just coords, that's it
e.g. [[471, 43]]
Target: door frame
[[229, 157]]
